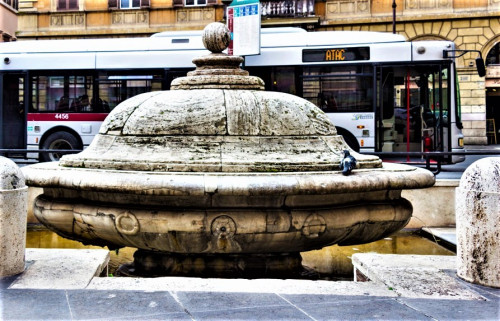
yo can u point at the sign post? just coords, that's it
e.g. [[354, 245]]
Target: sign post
[[243, 20]]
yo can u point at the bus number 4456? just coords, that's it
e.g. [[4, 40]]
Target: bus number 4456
[[62, 116]]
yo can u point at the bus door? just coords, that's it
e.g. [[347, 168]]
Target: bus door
[[413, 104], [13, 111]]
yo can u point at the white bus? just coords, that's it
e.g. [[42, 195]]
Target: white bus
[[383, 94]]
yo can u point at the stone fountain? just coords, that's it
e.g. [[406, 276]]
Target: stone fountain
[[218, 174]]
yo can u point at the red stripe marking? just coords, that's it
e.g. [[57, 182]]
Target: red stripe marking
[[66, 116]]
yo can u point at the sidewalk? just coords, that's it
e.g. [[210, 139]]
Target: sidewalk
[[412, 289], [491, 147]]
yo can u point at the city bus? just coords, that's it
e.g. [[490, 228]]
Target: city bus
[[383, 94]]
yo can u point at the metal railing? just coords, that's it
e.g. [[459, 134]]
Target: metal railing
[[287, 8], [6, 152], [437, 157]]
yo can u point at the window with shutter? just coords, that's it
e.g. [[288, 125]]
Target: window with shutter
[[178, 3], [67, 4], [195, 2], [13, 3], [113, 4], [130, 4]]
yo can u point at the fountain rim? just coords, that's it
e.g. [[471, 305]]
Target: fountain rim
[[389, 177]]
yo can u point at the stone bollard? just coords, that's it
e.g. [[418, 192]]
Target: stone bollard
[[13, 209], [478, 223]]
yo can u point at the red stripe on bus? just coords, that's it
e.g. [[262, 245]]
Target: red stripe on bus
[[66, 116]]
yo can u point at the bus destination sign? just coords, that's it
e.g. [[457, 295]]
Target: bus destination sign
[[336, 54]]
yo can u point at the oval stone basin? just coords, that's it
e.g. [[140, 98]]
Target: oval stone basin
[[224, 212]]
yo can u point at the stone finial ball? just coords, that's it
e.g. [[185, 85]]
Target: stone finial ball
[[216, 37]]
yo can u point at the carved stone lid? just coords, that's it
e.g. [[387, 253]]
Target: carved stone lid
[[217, 119]]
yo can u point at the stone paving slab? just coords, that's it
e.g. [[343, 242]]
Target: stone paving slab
[[415, 276], [449, 234], [242, 285], [61, 268], [355, 308], [26, 304], [446, 309]]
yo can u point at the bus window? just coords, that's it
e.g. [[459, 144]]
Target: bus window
[[278, 78], [283, 80], [339, 88], [113, 89], [61, 93]]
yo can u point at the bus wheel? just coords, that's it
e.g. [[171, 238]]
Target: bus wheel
[[58, 140], [349, 139]]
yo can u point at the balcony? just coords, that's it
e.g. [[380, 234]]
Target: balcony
[[287, 8]]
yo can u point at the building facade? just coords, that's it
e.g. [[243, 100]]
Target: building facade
[[470, 24], [61, 19], [8, 20]]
